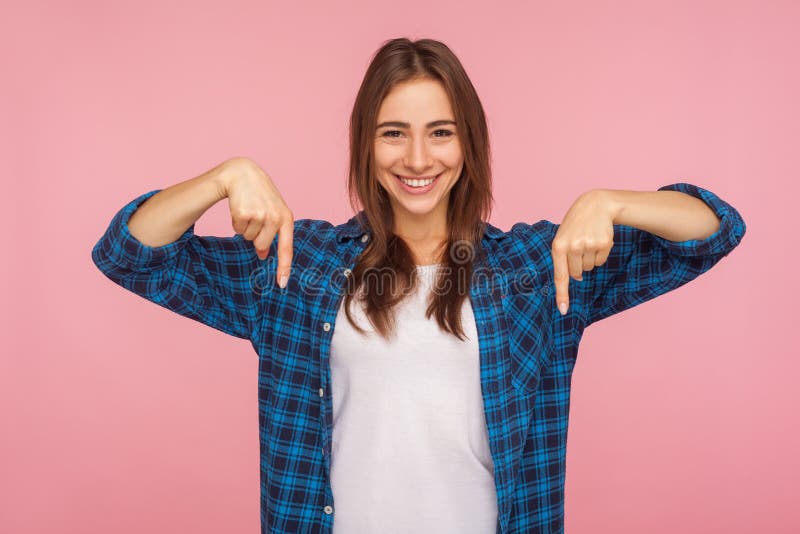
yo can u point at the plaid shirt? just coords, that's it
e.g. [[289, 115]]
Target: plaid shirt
[[527, 348]]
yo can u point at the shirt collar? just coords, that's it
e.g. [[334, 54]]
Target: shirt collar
[[356, 226]]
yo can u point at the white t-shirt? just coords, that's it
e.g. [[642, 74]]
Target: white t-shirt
[[410, 451]]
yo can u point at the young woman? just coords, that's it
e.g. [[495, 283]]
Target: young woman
[[415, 369]]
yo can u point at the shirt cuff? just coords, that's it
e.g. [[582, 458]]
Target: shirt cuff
[[725, 239], [120, 247]]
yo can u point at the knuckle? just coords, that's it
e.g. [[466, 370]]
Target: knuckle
[[273, 217], [247, 215], [576, 245]]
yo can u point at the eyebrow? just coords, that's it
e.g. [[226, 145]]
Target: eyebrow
[[400, 124]]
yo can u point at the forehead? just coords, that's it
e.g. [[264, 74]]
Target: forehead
[[416, 101]]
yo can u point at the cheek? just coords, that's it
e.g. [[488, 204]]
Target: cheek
[[452, 157], [387, 152], [384, 166]]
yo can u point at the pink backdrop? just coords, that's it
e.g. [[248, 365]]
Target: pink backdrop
[[120, 416]]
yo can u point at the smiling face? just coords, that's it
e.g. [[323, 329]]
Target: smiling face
[[416, 138]]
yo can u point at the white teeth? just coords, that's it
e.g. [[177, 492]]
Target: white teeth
[[417, 183]]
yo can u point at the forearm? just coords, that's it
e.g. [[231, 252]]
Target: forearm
[[672, 215], [165, 216]]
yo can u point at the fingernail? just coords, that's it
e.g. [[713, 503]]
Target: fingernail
[[283, 280], [563, 308]]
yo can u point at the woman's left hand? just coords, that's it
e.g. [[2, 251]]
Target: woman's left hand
[[582, 242]]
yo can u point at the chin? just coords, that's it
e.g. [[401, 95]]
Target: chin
[[418, 208]]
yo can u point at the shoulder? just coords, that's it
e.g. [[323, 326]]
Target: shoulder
[[315, 239], [524, 251], [312, 238], [540, 231], [532, 241], [307, 228]]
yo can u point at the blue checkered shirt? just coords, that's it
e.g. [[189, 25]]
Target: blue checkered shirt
[[527, 348]]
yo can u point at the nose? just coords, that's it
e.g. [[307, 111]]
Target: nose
[[418, 156]]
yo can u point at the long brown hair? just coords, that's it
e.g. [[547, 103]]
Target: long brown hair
[[401, 60]]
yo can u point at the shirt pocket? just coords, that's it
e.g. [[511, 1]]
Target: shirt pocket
[[528, 316]]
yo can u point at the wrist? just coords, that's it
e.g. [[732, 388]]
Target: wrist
[[223, 174], [613, 201]]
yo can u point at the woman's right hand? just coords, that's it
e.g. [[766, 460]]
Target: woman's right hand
[[258, 210]]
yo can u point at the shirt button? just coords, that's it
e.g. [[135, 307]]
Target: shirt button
[[347, 272], [326, 326], [364, 238], [321, 392], [328, 510]]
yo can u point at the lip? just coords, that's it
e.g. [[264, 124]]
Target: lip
[[418, 190]]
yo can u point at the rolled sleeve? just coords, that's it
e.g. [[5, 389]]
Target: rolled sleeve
[[730, 232], [121, 248]]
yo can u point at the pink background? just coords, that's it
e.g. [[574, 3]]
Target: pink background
[[120, 416]]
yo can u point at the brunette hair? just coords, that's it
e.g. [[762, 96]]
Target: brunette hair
[[401, 60]]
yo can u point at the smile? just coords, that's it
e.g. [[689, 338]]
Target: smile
[[418, 184]]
